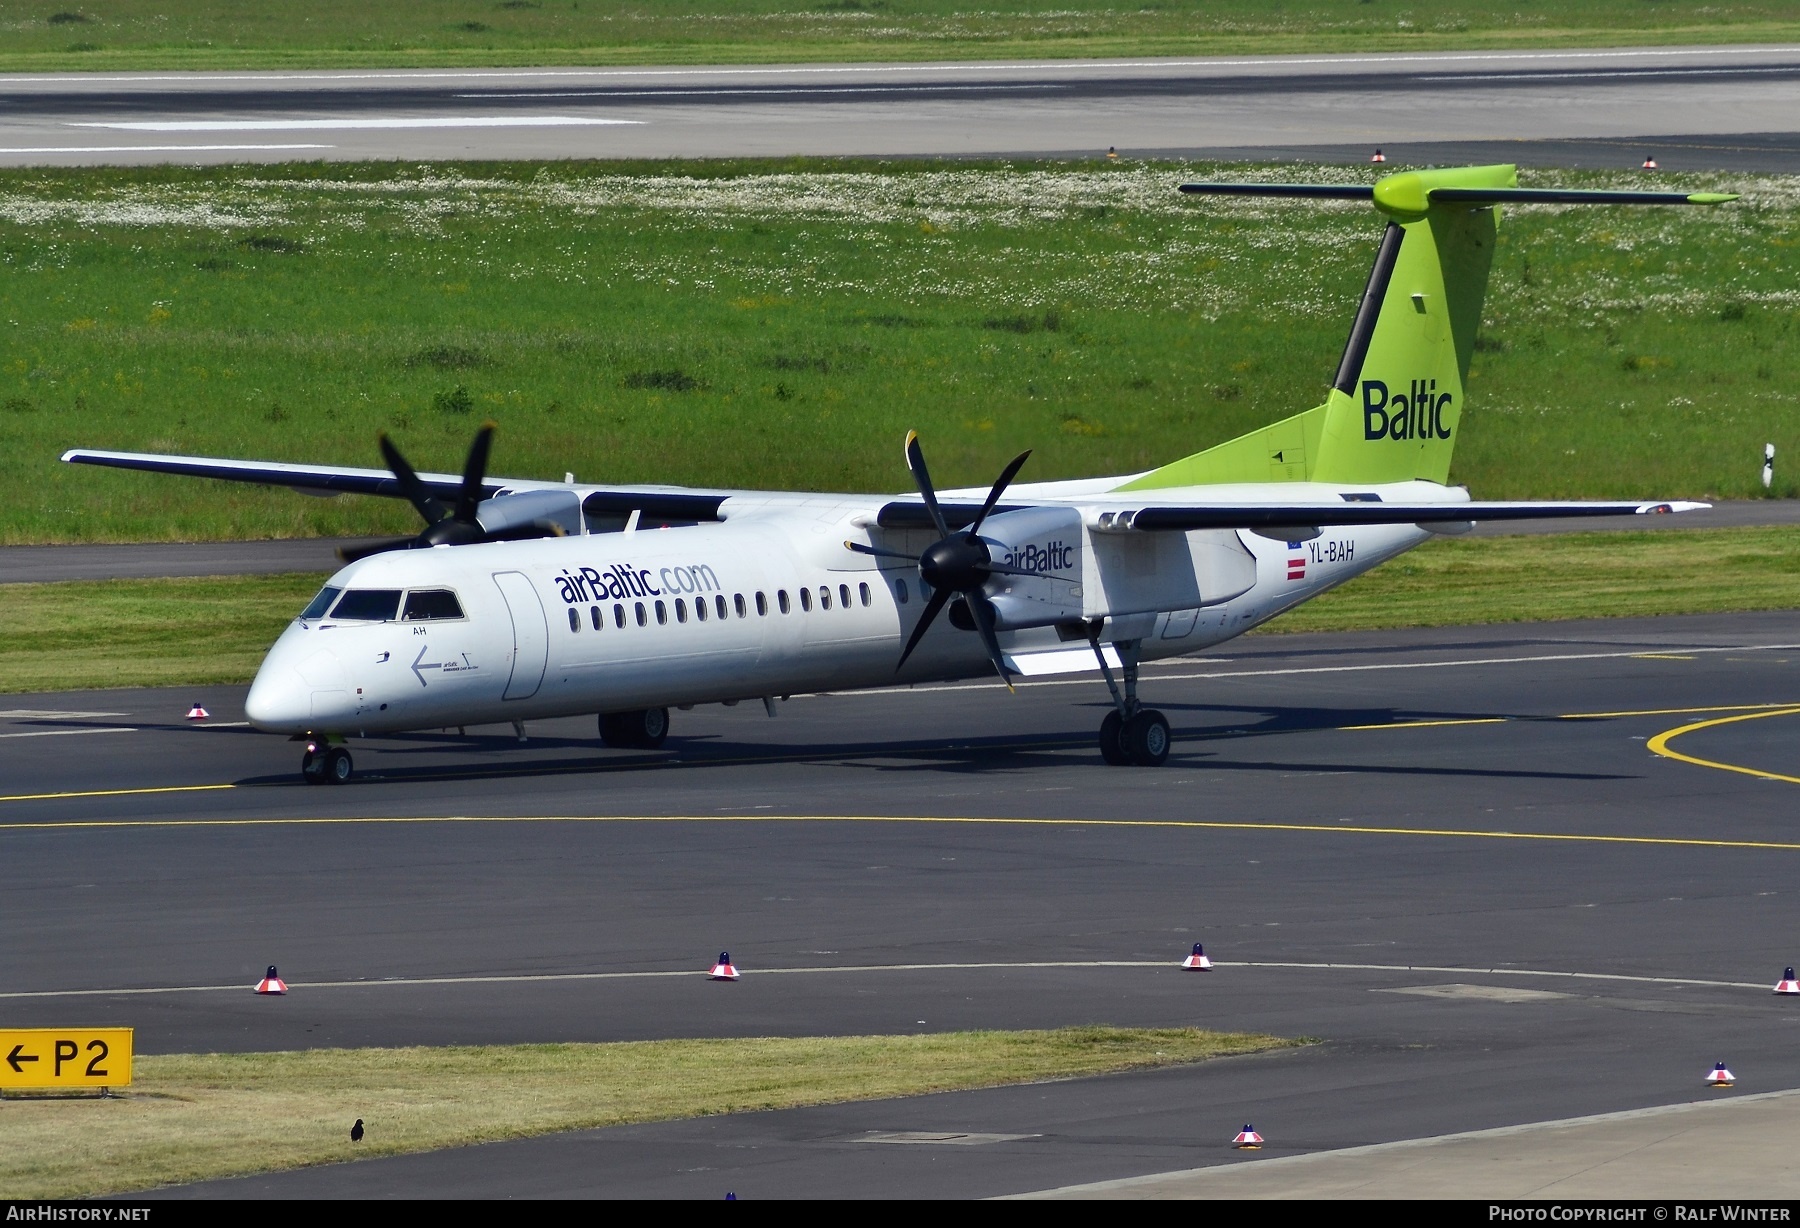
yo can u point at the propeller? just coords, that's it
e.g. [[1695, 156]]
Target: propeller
[[457, 525], [957, 565]]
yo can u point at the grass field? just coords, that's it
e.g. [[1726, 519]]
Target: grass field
[[191, 1117], [140, 632], [115, 34], [758, 324]]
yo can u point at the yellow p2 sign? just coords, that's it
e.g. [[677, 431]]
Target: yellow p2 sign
[[64, 1057]]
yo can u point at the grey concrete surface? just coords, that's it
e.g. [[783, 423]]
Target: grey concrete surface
[[1359, 828], [1711, 107]]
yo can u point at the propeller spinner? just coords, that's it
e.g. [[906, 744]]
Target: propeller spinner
[[957, 565]]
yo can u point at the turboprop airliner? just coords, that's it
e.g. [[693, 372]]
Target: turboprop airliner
[[526, 599]]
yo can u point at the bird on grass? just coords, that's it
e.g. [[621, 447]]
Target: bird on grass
[[356, 1131]]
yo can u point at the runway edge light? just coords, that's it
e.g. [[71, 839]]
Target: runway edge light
[[1247, 1139], [1197, 962], [197, 713], [271, 984], [1787, 984], [1718, 1076], [723, 970]]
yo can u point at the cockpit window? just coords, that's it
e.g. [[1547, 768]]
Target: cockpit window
[[431, 604], [318, 605], [372, 605]]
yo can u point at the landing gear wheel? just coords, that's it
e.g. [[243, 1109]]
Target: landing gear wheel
[[1110, 749], [312, 767], [1146, 738], [641, 730], [338, 766]]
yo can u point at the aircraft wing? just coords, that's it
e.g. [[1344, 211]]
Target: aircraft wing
[[912, 515], [323, 479]]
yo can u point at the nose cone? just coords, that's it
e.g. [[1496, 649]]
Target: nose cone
[[296, 674]]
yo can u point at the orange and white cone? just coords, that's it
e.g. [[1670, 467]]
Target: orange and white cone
[[197, 713], [1197, 962], [1787, 984], [1718, 1076], [723, 971], [271, 984], [1247, 1139], [1649, 164]]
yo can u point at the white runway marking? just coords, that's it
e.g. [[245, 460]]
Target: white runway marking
[[63, 733], [332, 125], [1167, 965], [87, 149], [53, 714]]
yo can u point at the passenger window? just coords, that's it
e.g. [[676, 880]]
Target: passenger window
[[720, 604], [619, 617], [370, 605], [806, 600], [781, 599], [640, 614], [739, 600], [862, 590], [318, 605], [900, 591], [595, 618], [574, 619], [662, 614], [700, 608], [824, 596], [430, 605], [844, 595], [680, 610]]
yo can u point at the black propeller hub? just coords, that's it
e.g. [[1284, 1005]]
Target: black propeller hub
[[452, 532], [955, 563]]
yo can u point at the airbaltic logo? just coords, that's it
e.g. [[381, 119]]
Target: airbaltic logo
[[1418, 414], [623, 580], [1052, 556]]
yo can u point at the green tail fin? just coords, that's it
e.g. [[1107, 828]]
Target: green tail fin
[[1393, 408]]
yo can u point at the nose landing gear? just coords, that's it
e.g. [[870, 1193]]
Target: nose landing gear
[[326, 765], [1131, 733]]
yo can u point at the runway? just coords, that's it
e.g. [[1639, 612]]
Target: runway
[[1450, 855], [1713, 108]]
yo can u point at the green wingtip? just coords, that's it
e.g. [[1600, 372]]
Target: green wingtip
[[1711, 198]]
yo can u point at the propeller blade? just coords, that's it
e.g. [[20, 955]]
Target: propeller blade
[[984, 623], [939, 599], [1000, 484], [410, 485], [351, 554], [474, 469], [880, 553], [915, 461]]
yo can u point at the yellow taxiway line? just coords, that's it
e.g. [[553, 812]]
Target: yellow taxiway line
[[1659, 745]]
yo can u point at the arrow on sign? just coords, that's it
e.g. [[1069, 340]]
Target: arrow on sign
[[13, 1059], [418, 669]]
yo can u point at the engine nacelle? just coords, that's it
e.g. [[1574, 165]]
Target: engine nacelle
[[1048, 542], [558, 507]]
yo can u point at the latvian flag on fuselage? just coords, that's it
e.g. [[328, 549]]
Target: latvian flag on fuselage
[[1296, 562]]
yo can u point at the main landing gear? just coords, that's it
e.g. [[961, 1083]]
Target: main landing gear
[[644, 729], [1131, 733], [326, 765]]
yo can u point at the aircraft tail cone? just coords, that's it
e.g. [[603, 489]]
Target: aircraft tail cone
[[1649, 164], [1787, 984], [1379, 157], [723, 970], [1718, 1076], [1197, 962], [1247, 1139], [271, 984], [197, 713]]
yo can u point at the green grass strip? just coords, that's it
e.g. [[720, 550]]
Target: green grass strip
[[191, 1117]]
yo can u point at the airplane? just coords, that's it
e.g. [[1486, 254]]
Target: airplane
[[524, 599]]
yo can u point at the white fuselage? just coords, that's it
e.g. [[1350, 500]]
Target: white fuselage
[[715, 612]]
